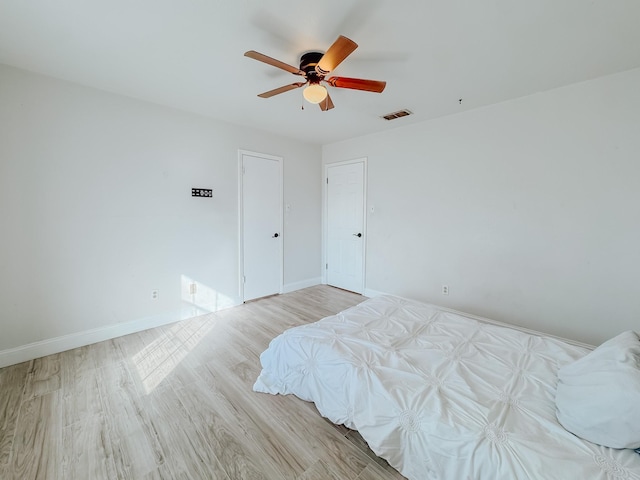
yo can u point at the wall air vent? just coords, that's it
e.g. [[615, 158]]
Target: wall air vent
[[398, 114]]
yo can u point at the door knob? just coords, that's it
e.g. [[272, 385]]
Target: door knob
[[357, 235], [275, 235]]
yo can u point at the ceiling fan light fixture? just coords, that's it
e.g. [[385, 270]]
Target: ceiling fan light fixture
[[314, 93]]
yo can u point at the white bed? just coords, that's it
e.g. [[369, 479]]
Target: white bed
[[440, 395]]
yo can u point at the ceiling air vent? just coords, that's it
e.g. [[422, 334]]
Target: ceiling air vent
[[398, 114]]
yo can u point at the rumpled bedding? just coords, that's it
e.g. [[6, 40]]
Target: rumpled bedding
[[439, 395]]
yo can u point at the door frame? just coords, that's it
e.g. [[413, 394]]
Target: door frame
[[280, 161], [325, 217]]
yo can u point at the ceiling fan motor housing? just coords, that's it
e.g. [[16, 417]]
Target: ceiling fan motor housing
[[308, 62]]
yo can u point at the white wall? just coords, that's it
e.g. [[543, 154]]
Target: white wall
[[96, 209], [529, 210]]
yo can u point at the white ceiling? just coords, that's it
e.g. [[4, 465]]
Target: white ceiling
[[188, 54]]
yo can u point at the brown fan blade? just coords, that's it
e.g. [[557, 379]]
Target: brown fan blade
[[357, 84], [341, 49], [273, 62], [326, 104], [277, 91]]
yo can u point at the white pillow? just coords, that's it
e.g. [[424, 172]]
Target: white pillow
[[598, 396]]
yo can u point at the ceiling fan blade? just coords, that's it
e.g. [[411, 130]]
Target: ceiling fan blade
[[273, 62], [341, 49], [277, 91], [357, 84], [326, 104]]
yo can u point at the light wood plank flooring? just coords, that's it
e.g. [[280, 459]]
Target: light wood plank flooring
[[176, 403]]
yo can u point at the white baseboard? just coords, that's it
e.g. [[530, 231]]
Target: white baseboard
[[373, 293], [310, 282], [63, 343]]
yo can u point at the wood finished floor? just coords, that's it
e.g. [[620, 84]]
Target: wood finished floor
[[176, 402]]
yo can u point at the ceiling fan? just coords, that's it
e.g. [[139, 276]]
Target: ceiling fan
[[314, 67]]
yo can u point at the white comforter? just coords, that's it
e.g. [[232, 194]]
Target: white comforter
[[439, 395]]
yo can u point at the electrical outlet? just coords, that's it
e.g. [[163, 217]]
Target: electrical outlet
[[445, 289], [193, 289], [155, 294]]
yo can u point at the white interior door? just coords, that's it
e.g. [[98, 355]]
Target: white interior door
[[345, 226], [261, 226]]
